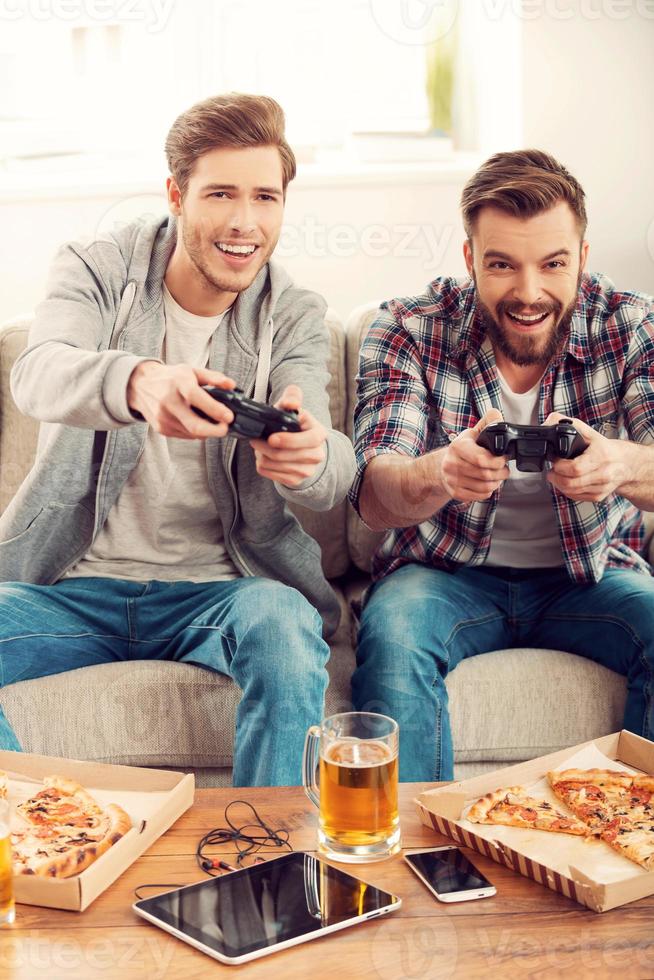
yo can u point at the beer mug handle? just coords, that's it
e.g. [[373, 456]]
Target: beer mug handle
[[310, 764]]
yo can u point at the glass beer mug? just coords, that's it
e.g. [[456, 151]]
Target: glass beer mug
[[356, 792], [7, 911]]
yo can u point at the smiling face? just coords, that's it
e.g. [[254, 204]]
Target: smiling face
[[229, 220], [527, 273]]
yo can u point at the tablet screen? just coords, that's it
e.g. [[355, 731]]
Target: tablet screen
[[243, 911]]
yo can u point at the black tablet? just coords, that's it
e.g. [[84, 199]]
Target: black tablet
[[258, 910]]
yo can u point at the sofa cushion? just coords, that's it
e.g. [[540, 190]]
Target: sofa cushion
[[505, 706], [362, 542], [18, 438], [512, 705], [18, 433], [329, 527]]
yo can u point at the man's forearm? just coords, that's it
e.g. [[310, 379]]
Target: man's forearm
[[639, 463], [399, 491]]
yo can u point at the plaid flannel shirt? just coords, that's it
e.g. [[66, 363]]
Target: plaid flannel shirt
[[427, 372]]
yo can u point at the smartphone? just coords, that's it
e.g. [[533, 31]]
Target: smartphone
[[449, 875]]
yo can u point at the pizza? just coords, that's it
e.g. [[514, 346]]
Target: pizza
[[512, 807], [633, 838], [61, 801], [3, 784], [63, 830], [591, 794], [620, 805], [614, 806]]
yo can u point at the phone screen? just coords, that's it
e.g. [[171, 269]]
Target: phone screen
[[448, 871]]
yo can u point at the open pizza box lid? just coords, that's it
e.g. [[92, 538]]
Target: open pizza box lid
[[153, 798], [590, 872]]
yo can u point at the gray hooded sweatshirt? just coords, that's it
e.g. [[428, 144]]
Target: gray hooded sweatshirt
[[82, 347]]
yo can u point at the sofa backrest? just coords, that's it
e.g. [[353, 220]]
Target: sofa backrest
[[362, 542], [18, 438]]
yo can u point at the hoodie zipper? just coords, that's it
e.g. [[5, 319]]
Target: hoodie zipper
[[261, 383], [232, 485]]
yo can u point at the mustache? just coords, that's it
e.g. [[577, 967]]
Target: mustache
[[535, 309]]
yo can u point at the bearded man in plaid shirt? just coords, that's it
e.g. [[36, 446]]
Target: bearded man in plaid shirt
[[480, 556]]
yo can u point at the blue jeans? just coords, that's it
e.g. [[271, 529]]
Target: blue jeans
[[264, 635], [420, 622]]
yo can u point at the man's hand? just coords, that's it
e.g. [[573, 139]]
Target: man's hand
[[291, 457], [164, 394], [601, 468], [469, 472]]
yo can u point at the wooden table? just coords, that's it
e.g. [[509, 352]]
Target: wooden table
[[525, 931]]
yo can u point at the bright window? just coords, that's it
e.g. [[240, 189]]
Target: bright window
[[90, 81]]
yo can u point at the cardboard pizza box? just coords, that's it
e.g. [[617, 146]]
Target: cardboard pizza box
[[590, 873], [153, 798]]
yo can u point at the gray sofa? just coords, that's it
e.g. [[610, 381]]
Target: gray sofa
[[507, 706]]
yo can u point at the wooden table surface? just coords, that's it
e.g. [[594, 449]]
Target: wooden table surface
[[526, 930]]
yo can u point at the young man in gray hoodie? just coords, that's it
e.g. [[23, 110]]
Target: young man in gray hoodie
[[141, 531]]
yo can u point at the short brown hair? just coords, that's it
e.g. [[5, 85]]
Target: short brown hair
[[230, 120], [522, 183]]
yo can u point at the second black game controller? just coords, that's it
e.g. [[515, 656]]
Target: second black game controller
[[252, 420], [532, 445]]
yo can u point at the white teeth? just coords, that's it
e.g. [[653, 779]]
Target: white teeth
[[527, 319], [237, 249]]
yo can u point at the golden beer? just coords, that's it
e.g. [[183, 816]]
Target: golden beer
[[358, 792], [6, 891]]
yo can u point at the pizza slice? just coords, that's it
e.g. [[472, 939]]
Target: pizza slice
[[592, 794], [61, 801], [64, 830], [512, 807], [61, 851], [633, 838]]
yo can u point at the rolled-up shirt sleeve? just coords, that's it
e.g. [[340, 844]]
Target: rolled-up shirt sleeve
[[391, 411]]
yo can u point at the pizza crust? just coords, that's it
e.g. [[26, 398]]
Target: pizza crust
[[478, 812], [500, 808], [598, 777]]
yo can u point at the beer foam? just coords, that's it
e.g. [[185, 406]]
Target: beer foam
[[354, 753]]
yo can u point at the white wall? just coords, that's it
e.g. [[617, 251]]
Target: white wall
[[589, 97], [353, 239]]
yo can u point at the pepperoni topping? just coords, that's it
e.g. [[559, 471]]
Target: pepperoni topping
[[592, 792], [522, 811]]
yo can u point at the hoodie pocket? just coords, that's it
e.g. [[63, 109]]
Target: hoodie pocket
[[17, 536]]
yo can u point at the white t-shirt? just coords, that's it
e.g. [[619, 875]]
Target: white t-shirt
[[525, 533], [165, 523]]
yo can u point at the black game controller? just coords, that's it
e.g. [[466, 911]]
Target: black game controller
[[531, 445], [252, 420]]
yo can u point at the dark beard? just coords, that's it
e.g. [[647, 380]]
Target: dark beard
[[530, 350]]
